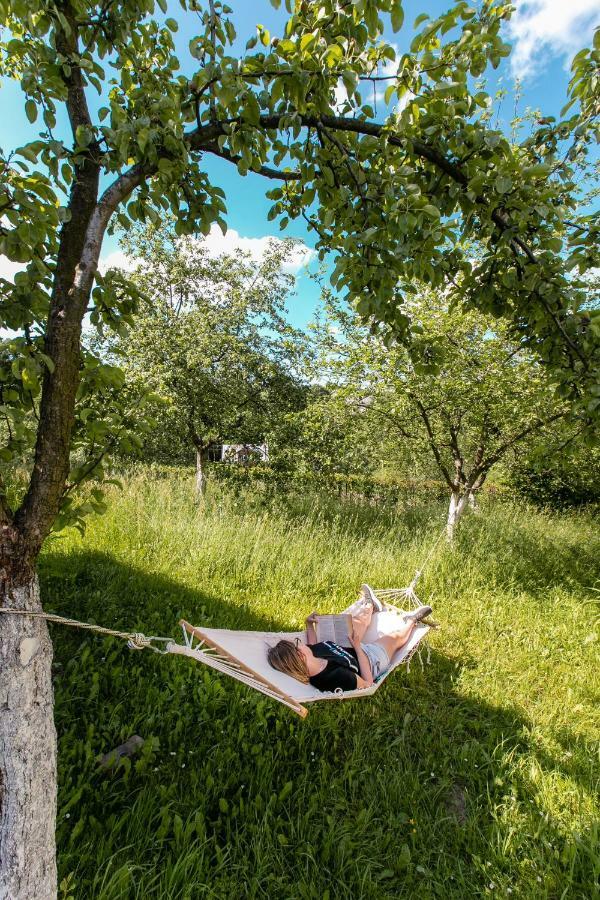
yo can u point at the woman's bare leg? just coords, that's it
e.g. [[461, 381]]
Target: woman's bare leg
[[393, 642]]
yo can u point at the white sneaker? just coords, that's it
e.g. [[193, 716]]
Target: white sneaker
[[369, 594], [418, 614]]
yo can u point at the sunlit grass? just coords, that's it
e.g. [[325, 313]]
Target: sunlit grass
[[477, 775]]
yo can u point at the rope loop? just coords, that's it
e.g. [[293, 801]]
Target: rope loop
[[415, 580], [139, 641]]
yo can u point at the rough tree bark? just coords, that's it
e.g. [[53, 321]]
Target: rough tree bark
[[27, 751], [27, 734]]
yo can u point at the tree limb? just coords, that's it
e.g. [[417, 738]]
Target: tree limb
[[536, 426], [431, 441], [266, 171]]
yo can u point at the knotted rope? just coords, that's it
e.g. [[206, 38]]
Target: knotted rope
[[135, 639]]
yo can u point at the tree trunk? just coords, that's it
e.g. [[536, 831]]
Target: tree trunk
[[27, 752], [458, 504], [200, 474]]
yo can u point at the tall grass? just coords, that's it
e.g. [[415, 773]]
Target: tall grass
[[476, 775]]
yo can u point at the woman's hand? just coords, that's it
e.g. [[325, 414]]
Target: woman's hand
[[311, 628], [360, 623]]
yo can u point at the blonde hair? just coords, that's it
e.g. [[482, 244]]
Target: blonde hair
[[285, 657]]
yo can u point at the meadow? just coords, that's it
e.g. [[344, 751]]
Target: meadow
[[474, 774]]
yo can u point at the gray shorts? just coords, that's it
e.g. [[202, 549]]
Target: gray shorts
[[378, 659]]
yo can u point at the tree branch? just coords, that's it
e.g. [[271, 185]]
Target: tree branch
[[531, 429], [200, 136], [431, 441], [266, 171], [387, 415], [67, 46]]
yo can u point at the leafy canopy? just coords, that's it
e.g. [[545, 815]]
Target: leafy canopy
[[211, 340], [430, 192], [466, 394]]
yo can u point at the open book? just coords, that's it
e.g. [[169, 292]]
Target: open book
[[337, 628], [334, 628]]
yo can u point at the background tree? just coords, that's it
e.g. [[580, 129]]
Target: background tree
[[466, 392], [559, 470], [212, 340], [395, 200]]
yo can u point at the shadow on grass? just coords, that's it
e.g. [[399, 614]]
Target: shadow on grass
[[420, 788]]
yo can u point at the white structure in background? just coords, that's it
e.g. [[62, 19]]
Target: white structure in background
[[245, 453]]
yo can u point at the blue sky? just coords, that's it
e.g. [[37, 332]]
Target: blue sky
[[544, 33]]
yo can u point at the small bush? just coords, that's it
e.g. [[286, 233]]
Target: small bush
[[568, 479]]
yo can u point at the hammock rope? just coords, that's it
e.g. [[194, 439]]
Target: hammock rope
[[410, 591], [215, 649], [136, 640]]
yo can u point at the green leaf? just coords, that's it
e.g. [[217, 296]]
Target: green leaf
[[404, 857], [389, 92], [83, 135], [31, 110], [306, 40], [397, 15], [286, 790], [503, 184], [334, 55], [328, 176], [172, 24]]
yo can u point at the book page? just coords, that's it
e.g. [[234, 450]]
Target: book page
[[334, 628]]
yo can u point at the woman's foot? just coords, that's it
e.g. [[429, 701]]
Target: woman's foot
[[369, 594], [417, 615]]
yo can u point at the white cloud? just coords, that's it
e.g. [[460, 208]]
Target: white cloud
[[218, 243], [341, 95], [543, 28], [116, 260]]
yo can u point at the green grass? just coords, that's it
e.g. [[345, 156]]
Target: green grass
[[474, 776]]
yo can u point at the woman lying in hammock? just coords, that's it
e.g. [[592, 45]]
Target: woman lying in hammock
[[330, 667]]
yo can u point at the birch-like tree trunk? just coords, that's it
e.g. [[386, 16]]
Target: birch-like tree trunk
[[27, 752], [200, 474], [458, 505]]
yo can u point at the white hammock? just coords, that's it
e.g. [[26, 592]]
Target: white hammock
[[243, 654]]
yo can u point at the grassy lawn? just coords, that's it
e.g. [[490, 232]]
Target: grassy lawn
[[476, 775]]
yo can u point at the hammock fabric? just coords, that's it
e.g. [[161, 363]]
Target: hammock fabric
[[243, 655]]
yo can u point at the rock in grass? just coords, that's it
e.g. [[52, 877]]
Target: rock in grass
[[110, 761], [456, 803]]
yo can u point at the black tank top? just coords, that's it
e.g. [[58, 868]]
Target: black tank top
[[341, 669]]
